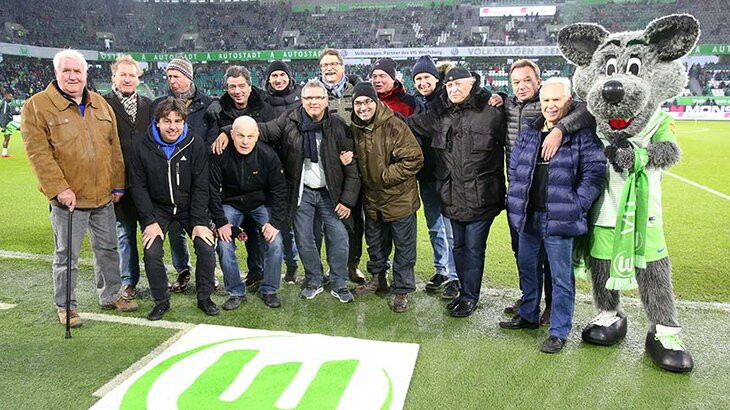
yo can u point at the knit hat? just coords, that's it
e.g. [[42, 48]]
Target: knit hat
[[277, 66], [425, 64], [182, 65], [366, 89], [386, 64], [456, 73]]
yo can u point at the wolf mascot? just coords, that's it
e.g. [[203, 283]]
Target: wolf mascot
[[624, 78]]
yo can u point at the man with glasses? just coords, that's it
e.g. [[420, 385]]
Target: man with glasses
[[339, 92], [310, 141]]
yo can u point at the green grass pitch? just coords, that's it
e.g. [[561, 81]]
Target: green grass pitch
[[463, 363]]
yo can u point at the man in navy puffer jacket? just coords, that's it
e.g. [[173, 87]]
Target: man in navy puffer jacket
[[547, 204]]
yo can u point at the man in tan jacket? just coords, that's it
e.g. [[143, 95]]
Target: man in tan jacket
[[70, 135]]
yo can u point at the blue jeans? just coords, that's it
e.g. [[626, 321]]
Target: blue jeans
[[470, 245], [127, 250], [179, 248], [439, 230], [272, 252], [316, 205], [535, 246], [290, 248]]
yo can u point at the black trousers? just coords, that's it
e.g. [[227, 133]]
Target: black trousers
[[155, 267], [381, 237]]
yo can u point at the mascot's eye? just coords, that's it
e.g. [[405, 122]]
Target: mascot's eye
[[611, 66], [634, 66]]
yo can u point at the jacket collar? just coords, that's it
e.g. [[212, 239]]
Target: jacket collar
[[62, 100], [396, 90], [254, 101]]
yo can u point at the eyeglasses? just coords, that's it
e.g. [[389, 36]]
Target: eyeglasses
[[327, 65], [358, 104], [314, 98]]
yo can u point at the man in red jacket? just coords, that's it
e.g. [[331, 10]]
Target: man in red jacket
[[390, 91]]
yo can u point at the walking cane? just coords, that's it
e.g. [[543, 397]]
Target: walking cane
[[68, 274]]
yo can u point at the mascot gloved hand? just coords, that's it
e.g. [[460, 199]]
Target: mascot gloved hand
[[624, 78]]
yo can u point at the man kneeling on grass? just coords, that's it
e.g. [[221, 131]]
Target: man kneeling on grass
[[247, 182], [547, 204], [169, 182]]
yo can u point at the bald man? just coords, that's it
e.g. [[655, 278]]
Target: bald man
[[247, 182]]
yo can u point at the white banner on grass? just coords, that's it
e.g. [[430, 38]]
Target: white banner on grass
[[218, 366]]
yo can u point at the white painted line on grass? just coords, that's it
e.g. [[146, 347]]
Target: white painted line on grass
[[696, 185], [6, 306], [137, 321]]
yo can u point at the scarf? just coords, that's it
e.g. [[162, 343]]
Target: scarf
[[630, 232], [168, 148], [188, 96], [337, 89], [311, 129], [129, 103]]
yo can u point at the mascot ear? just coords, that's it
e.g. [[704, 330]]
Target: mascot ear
[[579, 41], [673, 36]]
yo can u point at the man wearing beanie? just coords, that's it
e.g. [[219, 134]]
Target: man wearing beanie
[[428, 87], [389, 158], [467, 135], [283, 94], [200, 125], [390, 91]]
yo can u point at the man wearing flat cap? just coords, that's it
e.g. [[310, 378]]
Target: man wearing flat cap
[[390, 91], [467, 135]]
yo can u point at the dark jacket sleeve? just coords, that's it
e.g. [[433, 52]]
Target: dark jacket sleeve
[[277, 192], [406, 159], [200, 189], [216, 179], [423, 125], [137, 185], [591, 169], [351, 184], [499, 125], [578, 118], [212, 130], [271, 132]]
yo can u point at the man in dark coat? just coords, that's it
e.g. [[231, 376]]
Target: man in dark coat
[[320, 186], [133, 115], [169, 183], [468, 137], [548, 203], [180, 79]]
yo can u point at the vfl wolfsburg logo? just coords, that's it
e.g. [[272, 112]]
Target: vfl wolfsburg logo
[[269, 371]]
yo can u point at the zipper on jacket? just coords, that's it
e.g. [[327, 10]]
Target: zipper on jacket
[[177, 173], [169, 175]]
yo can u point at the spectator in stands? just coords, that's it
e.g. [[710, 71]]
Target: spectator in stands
[[389, 157], [566, 186], [170, 151], [247, 182], [241, 98], [71, 139], [390, 90], [524, 106], [321, 189], [428, 87], [181, 85], [283, 95], [6, 117], [469, 173], [339, 92], [133, 115]]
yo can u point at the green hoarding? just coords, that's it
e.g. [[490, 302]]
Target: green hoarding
[[246, 55], [711, 49]]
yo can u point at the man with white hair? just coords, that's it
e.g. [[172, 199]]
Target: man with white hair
[[547, 204], [70, 135]]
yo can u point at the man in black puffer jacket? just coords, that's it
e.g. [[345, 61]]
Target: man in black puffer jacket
[[468, 137], [282, 93], [310, 141]]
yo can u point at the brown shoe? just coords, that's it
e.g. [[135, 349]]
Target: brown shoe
[[514, 308], [376, 285], [181, 284], [121, 305], [75, 319], [356, 275], [129, 292], [400, 303]]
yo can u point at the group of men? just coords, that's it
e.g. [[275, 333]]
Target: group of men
[[289, 168]]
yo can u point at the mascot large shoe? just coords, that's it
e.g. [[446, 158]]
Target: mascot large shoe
[[624, 78]]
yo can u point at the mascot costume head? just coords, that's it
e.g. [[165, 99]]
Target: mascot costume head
[[624, 78]]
